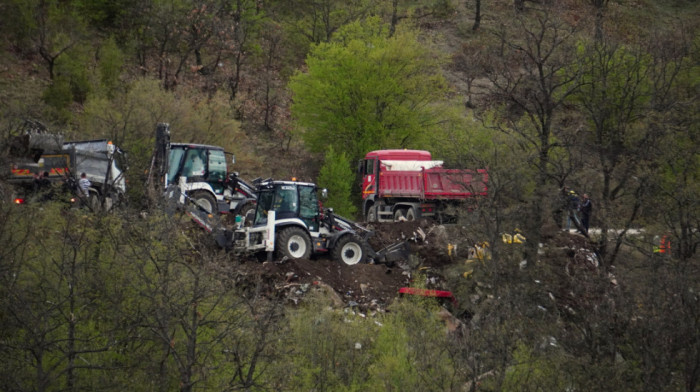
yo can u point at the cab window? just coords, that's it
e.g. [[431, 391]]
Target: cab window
[[369, 166], [217, 165]]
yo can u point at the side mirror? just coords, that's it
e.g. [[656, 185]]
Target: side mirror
[[233, 159], [324, 193]]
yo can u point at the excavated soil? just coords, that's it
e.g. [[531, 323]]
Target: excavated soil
[[373, 286]]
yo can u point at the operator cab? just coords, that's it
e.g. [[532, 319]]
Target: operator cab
[[197, 162], [289, 200]]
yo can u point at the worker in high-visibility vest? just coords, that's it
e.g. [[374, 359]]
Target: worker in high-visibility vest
[[662, 245]]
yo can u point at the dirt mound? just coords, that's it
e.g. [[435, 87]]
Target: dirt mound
[[364, 285], [371, 286], [374, 286]]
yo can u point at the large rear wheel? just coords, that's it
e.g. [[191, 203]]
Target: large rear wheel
[[205, 201], [293, 243], [410, 214], [350, 250]]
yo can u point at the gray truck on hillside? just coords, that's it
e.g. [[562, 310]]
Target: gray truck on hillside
[[42, 161]]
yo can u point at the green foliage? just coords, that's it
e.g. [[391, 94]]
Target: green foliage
[[73, 68], [338, 178], [18, 21], [331, 350], [532, 372], [106, 14], [56, 303], [110, 65], [315, 22], [365, 91], [615, 89], [410, 350], [58, 96], [464, 141]]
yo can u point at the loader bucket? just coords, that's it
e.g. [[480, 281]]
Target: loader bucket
[[393, 253]]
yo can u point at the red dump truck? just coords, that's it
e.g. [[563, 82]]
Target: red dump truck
[[409, 184]]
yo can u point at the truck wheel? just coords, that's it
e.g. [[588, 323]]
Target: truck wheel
[[205, 201], [293, 243], [411, 214], [350, 250], [399, 216], [372, 214]]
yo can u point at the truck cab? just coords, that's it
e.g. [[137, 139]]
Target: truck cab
[[369, 166]]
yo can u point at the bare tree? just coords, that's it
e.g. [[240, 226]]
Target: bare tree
[[614, 93], [529, 80], [477, 15], [599, 7], [52, 332]]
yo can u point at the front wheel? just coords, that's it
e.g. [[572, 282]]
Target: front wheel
[[293, 243], [248, 214], [399, 216], [350, 250]]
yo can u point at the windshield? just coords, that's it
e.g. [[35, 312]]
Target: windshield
[[282, 198]]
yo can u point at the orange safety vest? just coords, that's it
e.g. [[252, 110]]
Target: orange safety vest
[[665, 244]]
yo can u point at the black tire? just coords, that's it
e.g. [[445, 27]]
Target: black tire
[[350, 250], [411, 214], [248, 214], [372, 214], [399, 215], [293, 243], [205, 201]]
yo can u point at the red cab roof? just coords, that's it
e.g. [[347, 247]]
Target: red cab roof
[[400, 155]]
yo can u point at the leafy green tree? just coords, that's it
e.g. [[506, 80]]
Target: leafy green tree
[[365, 90], [111, 61], [337, 177]]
